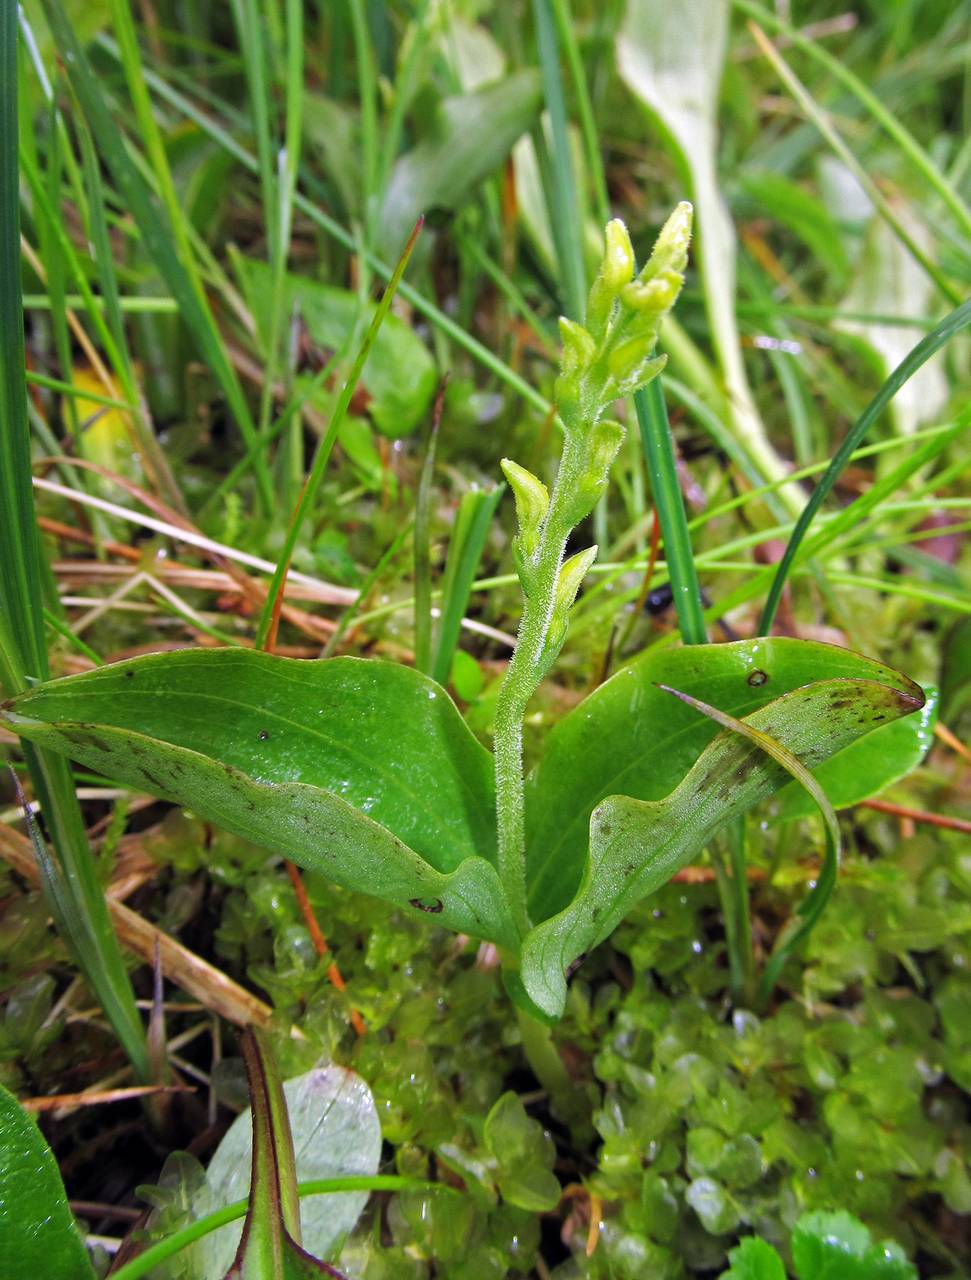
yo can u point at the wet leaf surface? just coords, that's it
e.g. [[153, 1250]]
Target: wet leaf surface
[[306, 758], [37, 1231]]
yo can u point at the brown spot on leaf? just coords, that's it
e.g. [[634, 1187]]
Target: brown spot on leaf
[[264, 734], [757, 678], [430, 905]]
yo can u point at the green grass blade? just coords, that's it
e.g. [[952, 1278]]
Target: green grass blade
[[871, 102], [155, 231], [821, 120], [74, 894], [468, 541], [422, 547], [367, 82], [566, 30], [158, 1253], [652, 416], [20, 579], [367, 586], [321, 457], [919, 355], [561, 195]]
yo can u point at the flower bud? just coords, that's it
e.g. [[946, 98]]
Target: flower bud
[[572, 573], [656, 295], [597, 451], [670, 251], [633, 365], [616, 269], [532, 503], [579, 349]]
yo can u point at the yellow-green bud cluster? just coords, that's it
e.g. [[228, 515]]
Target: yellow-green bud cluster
[[611, 354]]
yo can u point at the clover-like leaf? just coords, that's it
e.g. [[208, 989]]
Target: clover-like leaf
[[754, 1259], [837, 1246]]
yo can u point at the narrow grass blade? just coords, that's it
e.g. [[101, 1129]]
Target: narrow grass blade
[[561, 195], [306, 500], [812, 907], [74, 892], [367, 586], [423, 567], [871, 102], [652, 416], [155, 231], [821, 120], [465, 549], [922, 352], [566, 31], [367, 82]]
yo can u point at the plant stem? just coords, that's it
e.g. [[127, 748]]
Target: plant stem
[[523, 675]]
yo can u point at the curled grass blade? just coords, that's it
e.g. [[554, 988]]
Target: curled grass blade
[[813, 905], [921, 353]]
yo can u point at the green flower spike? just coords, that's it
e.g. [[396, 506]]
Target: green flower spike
[[609, 356]]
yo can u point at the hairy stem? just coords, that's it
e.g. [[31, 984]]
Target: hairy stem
[[523, 675]]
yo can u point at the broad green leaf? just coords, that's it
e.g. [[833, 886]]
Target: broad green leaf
[[754, 1259], [671, 57], [470, 137], [837, 1246], [364, 771], [399, 374], [865, 768], [335, 1131], [37, 1232], [636, 846], [630, 738]]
